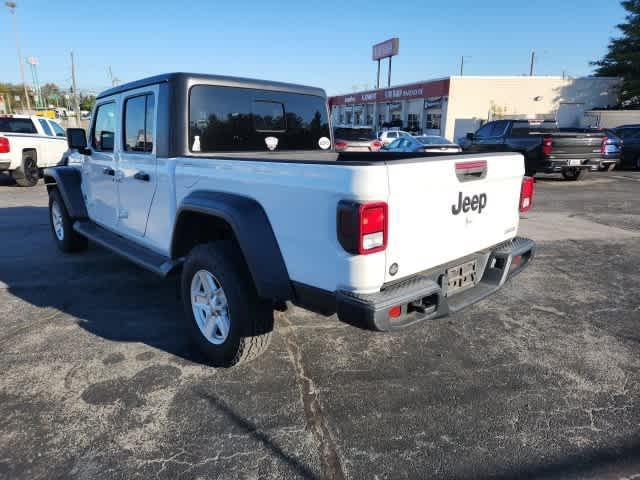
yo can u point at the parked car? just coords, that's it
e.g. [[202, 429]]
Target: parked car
[[630, 135], [356, 140], [195, 173], [424, 143], [388, 136], [29, 143], [547, 148]]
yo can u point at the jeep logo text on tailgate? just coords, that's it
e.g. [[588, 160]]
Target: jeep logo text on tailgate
[[477, 202]]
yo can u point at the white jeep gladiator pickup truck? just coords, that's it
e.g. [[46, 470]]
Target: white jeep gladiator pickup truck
[[234, 183], [28, 144]]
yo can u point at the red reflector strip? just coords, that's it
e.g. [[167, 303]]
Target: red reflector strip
[[395, 312], [470, 165]]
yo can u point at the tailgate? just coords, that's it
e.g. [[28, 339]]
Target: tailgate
[[445, 208], [576, 145]]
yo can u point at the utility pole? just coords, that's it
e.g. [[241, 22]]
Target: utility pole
[[378, 81], [533, 62], [462, 65], [76, 103], [12, 9], [389, 77]]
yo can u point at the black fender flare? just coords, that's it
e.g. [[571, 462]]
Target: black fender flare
[[253, 232], [68, 182]]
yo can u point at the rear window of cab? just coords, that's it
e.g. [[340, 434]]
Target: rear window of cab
[[229, 119]]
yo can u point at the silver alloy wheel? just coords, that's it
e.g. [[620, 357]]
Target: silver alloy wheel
[[56, 218], [210, 307]]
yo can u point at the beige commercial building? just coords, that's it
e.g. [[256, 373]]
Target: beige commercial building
[[454, 106]]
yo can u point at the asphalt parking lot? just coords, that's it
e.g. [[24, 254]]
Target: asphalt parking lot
[[539, 381]]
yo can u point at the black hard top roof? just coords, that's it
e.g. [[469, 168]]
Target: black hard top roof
[[220, 80]]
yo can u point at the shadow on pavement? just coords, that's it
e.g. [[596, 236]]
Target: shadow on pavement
[[108, 296], [619, 462]]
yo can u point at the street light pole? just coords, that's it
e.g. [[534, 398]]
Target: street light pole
[[12, 9]]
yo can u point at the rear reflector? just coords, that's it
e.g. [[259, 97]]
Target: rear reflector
[[395, 312], [547, 145], [362, 227], [341, 144], [376, 145], [526, 194], [471, 165], [5, 147]]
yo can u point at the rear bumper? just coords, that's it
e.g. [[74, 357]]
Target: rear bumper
[[4, 165], [424, 296]]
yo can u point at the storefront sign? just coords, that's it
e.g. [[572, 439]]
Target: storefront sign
[[433, 103], [437, 88]]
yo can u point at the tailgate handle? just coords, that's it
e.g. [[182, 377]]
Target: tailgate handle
[[467, 171]]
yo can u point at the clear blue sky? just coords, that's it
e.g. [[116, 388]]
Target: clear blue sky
[[326, 44]]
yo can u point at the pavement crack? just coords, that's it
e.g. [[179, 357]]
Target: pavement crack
[[330, 466]]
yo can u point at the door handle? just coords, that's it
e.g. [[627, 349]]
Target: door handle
[[109, 171], [141, 176]]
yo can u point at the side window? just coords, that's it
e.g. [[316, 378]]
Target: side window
[[395, 144], [485, 131], [392, 135], [104, 127], [58, 130], [45, 126], [139, 114]]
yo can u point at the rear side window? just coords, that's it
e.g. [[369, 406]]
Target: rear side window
[[17, 125], [139, 124], [45, 126], [58, 130], [243, 119], [522, 129], [104, 127]]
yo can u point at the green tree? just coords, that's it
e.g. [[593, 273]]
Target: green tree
[[623, 58], [87, 101]]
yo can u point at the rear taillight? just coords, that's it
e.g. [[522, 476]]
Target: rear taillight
[[362, 227], [526, 194], [603, 145], [547, 145], [376, 145], [341, 144], [5, 147]]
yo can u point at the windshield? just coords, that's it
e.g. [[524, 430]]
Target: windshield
[[357, 134], [434, 140]]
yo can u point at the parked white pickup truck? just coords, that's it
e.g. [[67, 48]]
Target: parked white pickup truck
[[234, 183], [28, 144]]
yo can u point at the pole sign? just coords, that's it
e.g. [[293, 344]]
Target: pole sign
[[385, 49]]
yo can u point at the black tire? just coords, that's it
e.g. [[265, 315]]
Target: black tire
[[637, 165], [611, 167], [70, 240], [27, 174], [250, 317], [574, 174]]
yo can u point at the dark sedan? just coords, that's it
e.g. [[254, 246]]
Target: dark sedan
[[630, 135]]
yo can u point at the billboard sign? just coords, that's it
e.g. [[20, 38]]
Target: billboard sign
[[385, 49]]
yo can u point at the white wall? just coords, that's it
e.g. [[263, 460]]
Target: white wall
[[473, 100]]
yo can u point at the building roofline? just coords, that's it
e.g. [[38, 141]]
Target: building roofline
[[496, 77]]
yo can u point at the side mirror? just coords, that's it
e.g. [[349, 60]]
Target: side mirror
[[471, 136], [106, 140], [76, 138]]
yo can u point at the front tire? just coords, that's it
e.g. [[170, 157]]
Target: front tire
[[574, 174], [66, 238], [27, 174], [225, 317]]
